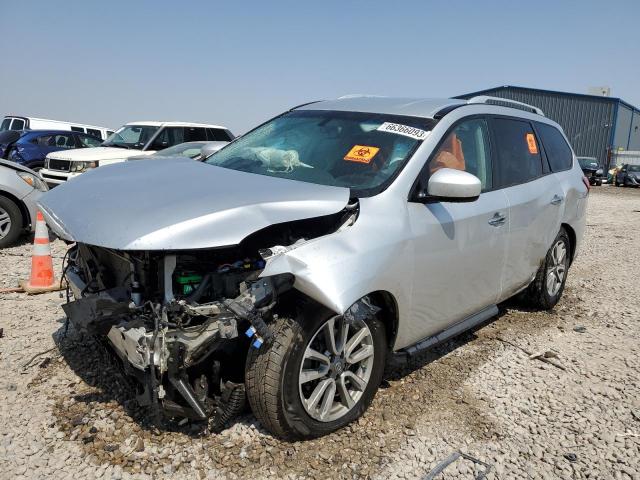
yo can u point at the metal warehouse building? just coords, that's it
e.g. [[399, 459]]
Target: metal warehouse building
[[595, 125]]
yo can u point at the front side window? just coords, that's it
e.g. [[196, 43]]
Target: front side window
[[633, 168], [466, 148], [89, 141], [77, 129], [360, 151], [131, 136], [518, 154], [94, 132], [556, 147]]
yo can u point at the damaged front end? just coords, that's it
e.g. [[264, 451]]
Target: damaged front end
[[181, 322]]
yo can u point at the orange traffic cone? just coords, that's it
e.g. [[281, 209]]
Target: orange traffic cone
[[42, 279]]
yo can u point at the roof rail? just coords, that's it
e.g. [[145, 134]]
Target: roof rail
[[505, 102]]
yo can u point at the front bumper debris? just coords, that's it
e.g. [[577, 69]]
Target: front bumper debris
[[158, 348]]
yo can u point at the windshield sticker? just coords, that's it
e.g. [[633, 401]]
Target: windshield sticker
[[361, 154], [405, 130], [531, 143]]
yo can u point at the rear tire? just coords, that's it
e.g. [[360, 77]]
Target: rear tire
[[598, 183], [276, 380], [547, 287], [10, 222]]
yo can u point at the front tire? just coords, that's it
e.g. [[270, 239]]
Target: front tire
[[317, 373], [10, 222], [547, 287]]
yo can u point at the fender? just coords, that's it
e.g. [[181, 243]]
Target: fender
[[340, 268]]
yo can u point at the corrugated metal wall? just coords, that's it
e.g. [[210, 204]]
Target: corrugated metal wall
[[623, 124], [634, 135], [586, 121]]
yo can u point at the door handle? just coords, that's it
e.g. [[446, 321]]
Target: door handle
[[497, 220], [557, 200]]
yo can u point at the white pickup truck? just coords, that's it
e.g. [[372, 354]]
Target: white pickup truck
[[132, 139]]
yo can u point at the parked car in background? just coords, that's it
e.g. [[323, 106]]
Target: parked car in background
[[334, 236], [30, 147], [628, 176], [194, 150], [18, 122], [592, 170], [133, 139], [20, 189]]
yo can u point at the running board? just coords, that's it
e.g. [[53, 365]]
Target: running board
[[452, 331]]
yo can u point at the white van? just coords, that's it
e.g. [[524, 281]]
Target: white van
[[132, 139], [18, 122]]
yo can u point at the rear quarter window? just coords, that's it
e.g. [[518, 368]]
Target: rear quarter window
[[556, 147], [218, 134]]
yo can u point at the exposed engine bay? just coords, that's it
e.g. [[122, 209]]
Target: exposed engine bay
[[181, 322]]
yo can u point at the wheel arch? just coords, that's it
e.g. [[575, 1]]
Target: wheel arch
[[572, 239], [382, 299], [24, 212], [388, 313]]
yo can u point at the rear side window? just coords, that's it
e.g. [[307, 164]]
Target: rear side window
[[194, 134], [6, 123], [77, 129], [171, 136], [45, 141], [64, 141], [94, 132], [518, 152], [556, 147], [18, 124]]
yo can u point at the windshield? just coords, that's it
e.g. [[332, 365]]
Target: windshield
[[130, 136], [188, 149], [361, 151], [587, 162], [634, 168]]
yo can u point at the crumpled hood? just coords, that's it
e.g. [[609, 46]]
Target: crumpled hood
[[95, 153], [179, 204]]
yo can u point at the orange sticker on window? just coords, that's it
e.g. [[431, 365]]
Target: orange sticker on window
[[361, 154], [531, 143]]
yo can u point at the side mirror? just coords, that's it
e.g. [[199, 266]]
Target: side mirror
[[210, 148], [450, 185]]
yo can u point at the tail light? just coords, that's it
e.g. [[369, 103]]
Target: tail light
[[585, 180]]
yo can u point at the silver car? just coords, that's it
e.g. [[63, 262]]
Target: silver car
[[20, 189], [289, 267]]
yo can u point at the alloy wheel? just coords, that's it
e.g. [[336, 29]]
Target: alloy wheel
[[5, 223], [336, 368], [557, 268]]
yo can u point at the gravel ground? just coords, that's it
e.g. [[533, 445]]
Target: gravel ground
[[67, 413]]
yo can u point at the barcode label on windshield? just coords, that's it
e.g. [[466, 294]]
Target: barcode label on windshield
[[405, 130]]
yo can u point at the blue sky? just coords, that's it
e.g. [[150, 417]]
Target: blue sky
[[239, 63]]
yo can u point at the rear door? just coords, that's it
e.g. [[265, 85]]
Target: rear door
[[534, 196], [459, 248]]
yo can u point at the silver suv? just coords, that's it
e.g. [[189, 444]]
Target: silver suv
[[288, 267]]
